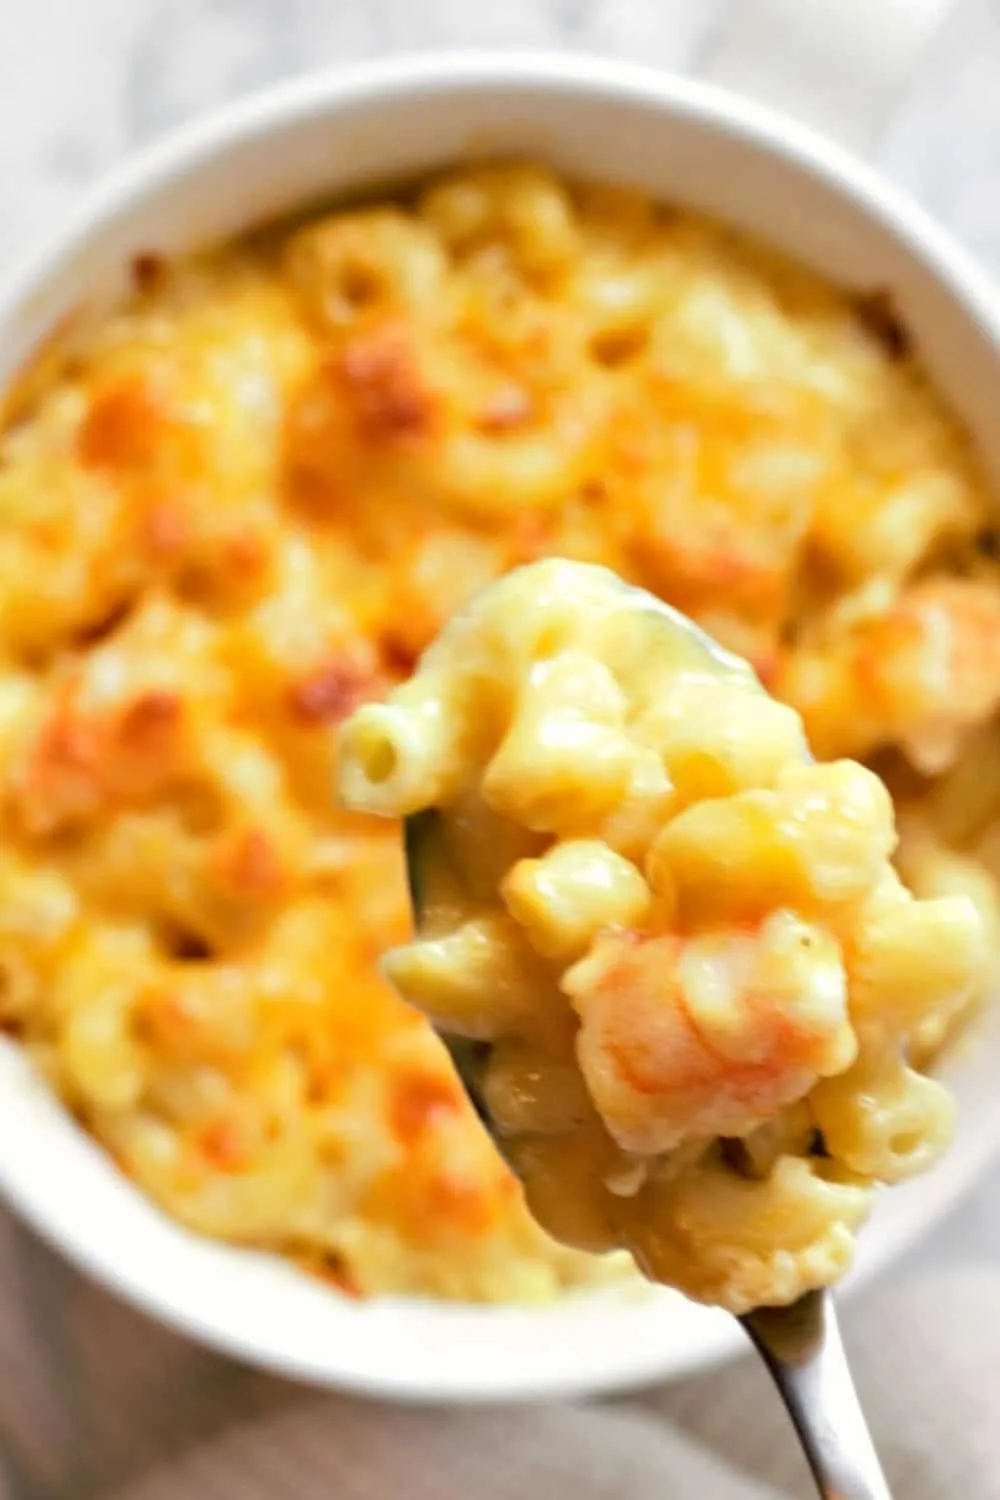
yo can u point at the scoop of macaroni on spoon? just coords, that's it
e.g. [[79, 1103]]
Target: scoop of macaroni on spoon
[[668, 949]]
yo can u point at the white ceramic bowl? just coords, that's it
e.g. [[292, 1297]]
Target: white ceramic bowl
[[330, 135]]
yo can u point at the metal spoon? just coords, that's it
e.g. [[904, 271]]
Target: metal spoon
[[800, 1345]]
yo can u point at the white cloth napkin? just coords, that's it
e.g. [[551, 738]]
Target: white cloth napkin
[[96, 1401]]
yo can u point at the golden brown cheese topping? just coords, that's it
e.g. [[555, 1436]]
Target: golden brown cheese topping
[[681, 942], [244, 508]]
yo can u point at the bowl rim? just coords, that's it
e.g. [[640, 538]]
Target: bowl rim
[[143, 174], [184, 153]]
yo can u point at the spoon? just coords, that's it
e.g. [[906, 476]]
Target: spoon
[[800, 1345]]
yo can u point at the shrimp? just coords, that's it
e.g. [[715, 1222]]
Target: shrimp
[[683, 1039], [920, 676], [932, 667]]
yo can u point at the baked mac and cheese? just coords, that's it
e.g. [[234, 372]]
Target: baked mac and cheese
[[248, 501], [681, 941]]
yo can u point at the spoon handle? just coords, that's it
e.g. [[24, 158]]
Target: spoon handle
[[802, 1348]]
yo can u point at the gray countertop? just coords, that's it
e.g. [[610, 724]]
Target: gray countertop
[[82, 82]]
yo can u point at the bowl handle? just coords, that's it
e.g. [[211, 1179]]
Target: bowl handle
[[838, 65]]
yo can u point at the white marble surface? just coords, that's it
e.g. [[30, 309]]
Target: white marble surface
[[82, 82]]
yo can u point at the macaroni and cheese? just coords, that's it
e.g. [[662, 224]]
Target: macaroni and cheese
[[248, 501], [681, 940]]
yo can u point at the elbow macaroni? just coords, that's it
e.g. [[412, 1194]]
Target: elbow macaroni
[[697, 973]]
